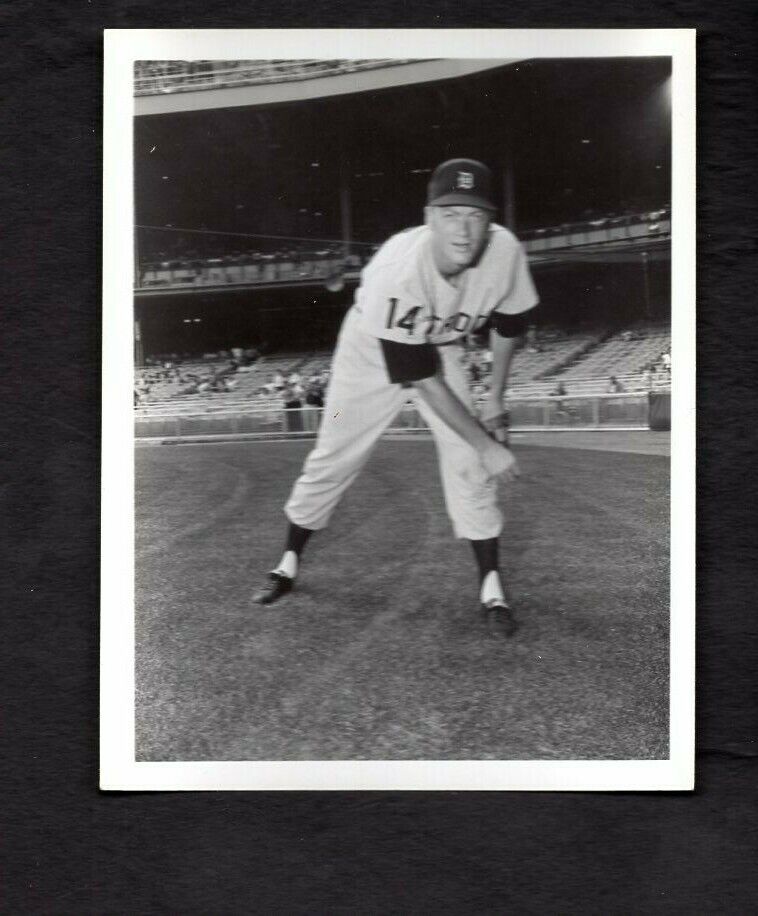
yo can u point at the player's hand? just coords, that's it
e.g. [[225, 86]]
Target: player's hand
[[499, 461], [496, 420], [499, 428]]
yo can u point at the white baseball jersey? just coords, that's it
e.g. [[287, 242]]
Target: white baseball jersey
[[404, 298]]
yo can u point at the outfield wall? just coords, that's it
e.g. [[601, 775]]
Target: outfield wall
[[596, 412]]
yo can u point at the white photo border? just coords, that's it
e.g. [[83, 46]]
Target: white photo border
[[119, 769]]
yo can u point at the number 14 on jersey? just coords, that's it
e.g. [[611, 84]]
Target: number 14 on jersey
[[460, 322]]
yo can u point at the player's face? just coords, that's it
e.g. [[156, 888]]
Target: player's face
[[458, 236]]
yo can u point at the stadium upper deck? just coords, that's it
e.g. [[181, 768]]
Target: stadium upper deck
[[298, 263], [152, 77], [170, 86]]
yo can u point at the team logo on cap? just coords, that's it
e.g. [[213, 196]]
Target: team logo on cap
[[465, 180]]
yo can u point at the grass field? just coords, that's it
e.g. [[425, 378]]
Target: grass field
[[381, 653]]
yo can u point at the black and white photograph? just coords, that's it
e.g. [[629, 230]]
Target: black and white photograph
[[398, 410]]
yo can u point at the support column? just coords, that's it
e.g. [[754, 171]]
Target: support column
[[509, 195], [136, 259], [139, 349], [596, 412], [646, 283], [346, 205]]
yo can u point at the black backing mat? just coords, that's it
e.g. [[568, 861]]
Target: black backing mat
[[70, 848]]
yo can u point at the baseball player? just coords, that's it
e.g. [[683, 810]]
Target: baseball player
[[420, 295]]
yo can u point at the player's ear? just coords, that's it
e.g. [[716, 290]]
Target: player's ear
[[428, 216]]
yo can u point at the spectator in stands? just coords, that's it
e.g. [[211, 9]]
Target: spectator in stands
[[563, 414], [291, 398], [532, 343], [614, 386], [647, 379], [559, 391], [314, 395], [278, 380], [314, 399], [666, 360]]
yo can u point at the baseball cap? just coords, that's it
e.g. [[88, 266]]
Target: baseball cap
[[461, 182]]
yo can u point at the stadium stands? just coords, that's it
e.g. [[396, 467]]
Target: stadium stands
[[581, 362], [630, 351], [212, 384], [552, 353], [610, 228], [152, 77], [250, 268]]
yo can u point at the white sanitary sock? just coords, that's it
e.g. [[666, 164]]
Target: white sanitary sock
[[288, 565], [491, 588]]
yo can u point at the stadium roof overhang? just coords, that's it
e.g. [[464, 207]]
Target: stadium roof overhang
[[426, 71]]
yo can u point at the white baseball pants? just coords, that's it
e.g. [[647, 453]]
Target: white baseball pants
[[360, 405]]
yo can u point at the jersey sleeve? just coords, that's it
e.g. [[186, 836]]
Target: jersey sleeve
[[407, 363], [509, 325], [520, 296]]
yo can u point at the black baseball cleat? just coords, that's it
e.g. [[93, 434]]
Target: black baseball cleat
[[499, 618], [277, 586]]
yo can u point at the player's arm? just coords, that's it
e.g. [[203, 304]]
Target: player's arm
[[503, 349], [505, 332], [440, 398], [418, 365], [508, 322]]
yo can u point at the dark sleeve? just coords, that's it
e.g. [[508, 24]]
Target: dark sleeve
[[409, 362], [510, 325]]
